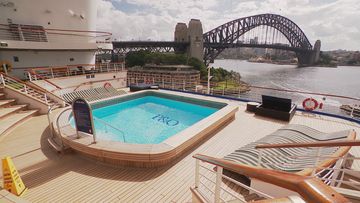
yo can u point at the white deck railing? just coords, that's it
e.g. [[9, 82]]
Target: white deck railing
[[46, 73], [345, 106], [214, 186], [37, 33], [29, 90]]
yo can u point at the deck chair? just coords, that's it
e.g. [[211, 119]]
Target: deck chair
[[293, 160]]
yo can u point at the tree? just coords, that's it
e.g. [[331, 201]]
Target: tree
[[200, 66], [140, 58], [325, 59], [136, 58]]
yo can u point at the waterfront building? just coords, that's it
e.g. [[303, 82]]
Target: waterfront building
[[167, 76]]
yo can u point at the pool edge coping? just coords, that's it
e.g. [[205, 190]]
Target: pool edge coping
[[149, 155]]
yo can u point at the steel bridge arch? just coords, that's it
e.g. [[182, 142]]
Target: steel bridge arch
[[231, 31]]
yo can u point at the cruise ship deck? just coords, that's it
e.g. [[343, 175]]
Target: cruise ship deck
[[53, 177]]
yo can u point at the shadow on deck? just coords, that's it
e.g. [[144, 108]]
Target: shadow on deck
[[58, 164]]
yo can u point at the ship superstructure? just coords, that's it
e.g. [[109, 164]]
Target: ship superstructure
[[52, 33]]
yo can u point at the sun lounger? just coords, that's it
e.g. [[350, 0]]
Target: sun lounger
[[294, 160], [93, 94], [139, 87]]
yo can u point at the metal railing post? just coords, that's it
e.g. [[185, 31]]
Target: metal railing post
[[29, 76], [25, 89], [197, 173], [336, 172], [94, 137], [59, 129], [5, 68], [21, 34], [352, 111], [2, 79], [219, 171], [49, 120], [52, 72], [45, 98]]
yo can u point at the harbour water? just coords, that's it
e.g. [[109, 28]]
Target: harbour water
[[343, 80]]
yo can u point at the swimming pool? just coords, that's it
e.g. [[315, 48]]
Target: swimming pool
[[147, 120], [148, 128]]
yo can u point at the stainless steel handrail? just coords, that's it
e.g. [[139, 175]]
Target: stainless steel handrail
[[107, 124], [59, 128], [51, 108]]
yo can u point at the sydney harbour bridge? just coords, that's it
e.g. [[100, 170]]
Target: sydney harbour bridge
[[259, 31]]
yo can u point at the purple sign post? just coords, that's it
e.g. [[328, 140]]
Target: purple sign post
[[83, 117]]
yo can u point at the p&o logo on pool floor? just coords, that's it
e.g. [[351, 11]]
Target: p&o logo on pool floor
[[165, 119]]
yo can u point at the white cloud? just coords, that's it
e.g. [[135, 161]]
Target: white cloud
[[334, 22]]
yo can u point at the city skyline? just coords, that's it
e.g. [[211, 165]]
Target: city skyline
[[333, 22]]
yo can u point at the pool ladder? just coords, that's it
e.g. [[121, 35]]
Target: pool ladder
[[109, 125]]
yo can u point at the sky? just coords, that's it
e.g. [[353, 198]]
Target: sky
[[334, 22]]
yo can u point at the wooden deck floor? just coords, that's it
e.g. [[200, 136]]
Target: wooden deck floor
[[51, 177]]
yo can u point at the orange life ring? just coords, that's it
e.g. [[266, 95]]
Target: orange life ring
[[310, 104], [107, 84]]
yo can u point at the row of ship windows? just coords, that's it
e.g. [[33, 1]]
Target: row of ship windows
[[16, 59]]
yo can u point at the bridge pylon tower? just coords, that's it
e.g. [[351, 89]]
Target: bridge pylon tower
[[193, 34], [310, 58]]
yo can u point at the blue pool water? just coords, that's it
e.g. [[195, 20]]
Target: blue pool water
[[147, 120]]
